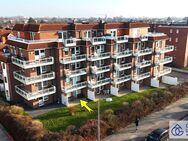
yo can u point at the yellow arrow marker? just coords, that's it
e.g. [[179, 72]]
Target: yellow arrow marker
[[84, 104]]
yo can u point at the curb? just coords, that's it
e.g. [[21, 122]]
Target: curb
[[180, 70], [6, 133]]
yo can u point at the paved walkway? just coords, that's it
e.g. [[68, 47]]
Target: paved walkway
[[3, 134], [175, 111]]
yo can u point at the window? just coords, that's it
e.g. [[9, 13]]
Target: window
[[171, 30], [3, 65], [77, 65], [32, 36], [44, 69], [45, 98], [176, 40], [45, 83], [177, 31], [102, 48], [5, 78], [170, 39], [37, 52], [77, 50], [101, 62], [18, 34]]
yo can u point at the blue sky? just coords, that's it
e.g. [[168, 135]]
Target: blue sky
[[94, 8]]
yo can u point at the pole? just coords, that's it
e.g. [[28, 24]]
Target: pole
[[98, 120]]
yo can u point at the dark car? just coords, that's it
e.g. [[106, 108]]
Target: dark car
[[160, 134]]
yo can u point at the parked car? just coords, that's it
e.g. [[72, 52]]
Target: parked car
[[160, 134]]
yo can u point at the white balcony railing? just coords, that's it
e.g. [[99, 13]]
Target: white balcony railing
[[33, 63], [122, 39], [143, 52], [73, 59], [168, 48], [34, 95], [94, 84], [74, 73], [166, 60], [36, 41], [75, 87], [163, 72], [141, 76], [126, 53], [98, 40], [70, 42], [99, 56], [122, 67], [97, 70], [143, 64], [143, 38], [33, 79], [118, 80]]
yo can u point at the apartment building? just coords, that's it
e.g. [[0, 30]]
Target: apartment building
[[178, 37], [66, 62]]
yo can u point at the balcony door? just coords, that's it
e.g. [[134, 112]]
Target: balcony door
[[99, 49], [75, 51], [39, 54], [99, 63]]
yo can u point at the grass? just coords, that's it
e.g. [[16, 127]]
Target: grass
[[60, 118], [186, 68]]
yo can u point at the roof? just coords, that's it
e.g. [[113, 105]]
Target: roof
[[77, 26], [173, 26], [4, 32], [41, 27]]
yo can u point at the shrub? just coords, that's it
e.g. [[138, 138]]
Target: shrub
[[16, 110], [109, 117], [89, 129]]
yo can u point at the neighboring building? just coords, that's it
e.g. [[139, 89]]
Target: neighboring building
[[178, 37], [5, 67], [65, 62]]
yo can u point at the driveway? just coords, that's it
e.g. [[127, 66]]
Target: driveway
[[175, 111]]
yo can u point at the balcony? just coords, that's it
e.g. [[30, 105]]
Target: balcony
[[36, 41], [165, 71], [97, 70], [94, 83], [126, 53], [75, 87], [98, 40], [144, 38], [146, 51], [33, 79], [118, 80], [141, 76], [33, 63], [73, 59], [122, 39], [70, 42], [74, 73], [165, 50], [143, 64], [34, 95], [166, 60], [122, 67], [100, 56]]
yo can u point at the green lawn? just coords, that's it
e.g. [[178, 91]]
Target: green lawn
[[60, 118], [186, 68]]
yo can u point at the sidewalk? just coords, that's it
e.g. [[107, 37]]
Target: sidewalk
[[4, 135], [156, 120]]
